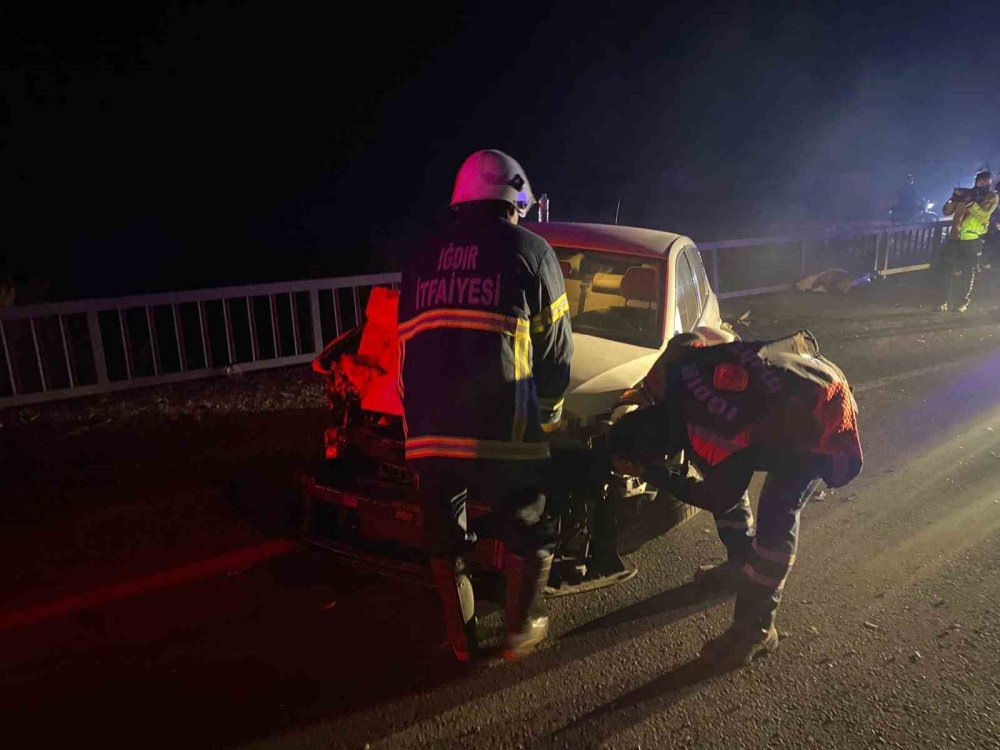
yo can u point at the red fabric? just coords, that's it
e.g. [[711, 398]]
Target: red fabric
[[373, 370], [837, 414], [816, 420], [713, 448]]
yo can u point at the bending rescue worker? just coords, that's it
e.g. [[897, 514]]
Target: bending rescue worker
[[736, 408]]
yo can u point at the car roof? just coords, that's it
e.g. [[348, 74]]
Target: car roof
[[604, 237]]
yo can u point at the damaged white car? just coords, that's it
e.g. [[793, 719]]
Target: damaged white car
[[629, 290]]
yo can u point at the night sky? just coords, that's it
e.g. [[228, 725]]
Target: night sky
[[191, 144]]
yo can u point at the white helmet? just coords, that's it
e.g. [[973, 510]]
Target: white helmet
[[491, 175]]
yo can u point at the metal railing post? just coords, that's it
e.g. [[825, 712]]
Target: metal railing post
[[275, 333], [154, 346], [205, 344], [38, 355], [179, 333], [126, 343], [10, 360], [317, 327], [97, 347], [230, 343], [65, 345], [296, 332], [357, 306], [338, 322], [254, 345]]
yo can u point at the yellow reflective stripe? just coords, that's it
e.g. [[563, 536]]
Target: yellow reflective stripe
[[454, 318], [453, 447], [552, 404], [522, 380], [550, 315]]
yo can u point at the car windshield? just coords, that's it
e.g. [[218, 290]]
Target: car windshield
[[617, 297]]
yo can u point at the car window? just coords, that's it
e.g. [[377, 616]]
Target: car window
[[698, 265], [614, 296], [686, 288]]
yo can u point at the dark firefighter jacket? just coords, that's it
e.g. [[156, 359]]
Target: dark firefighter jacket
[[485, 342], [765, 398]]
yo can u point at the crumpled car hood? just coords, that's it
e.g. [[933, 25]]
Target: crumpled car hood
[[601, 370]]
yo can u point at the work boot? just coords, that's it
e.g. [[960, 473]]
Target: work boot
[[603, 558], [458, 603], [728, 576], [740, 645], [610, 569], [943, 307], [962, 308], [526, 577]]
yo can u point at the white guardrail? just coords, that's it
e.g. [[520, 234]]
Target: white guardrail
[[86, 347], [776, 263]]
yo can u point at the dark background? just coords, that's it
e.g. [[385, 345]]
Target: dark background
[[148, 147]]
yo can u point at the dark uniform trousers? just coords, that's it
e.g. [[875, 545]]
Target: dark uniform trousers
[[511, 489]]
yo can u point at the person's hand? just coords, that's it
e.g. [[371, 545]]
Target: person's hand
[[627, 467], [638, 396]]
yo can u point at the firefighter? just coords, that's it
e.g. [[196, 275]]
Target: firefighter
[[485, 350], [736, 408], [971, 209]]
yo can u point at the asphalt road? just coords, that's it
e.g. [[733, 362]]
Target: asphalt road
[[890, 632]]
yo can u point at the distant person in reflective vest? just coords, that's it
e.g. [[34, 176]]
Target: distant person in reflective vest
[[970, 209], [736, 408], [484, 351]]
